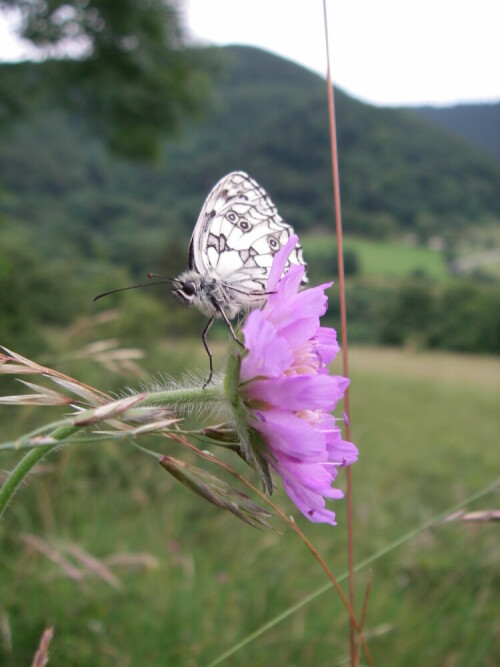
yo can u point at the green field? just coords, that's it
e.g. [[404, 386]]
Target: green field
[[394, 258], [397, 259], [381, 258], [427, 426]]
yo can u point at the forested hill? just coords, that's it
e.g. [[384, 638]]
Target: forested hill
[[399, 172], [478, 123], [268, 116]]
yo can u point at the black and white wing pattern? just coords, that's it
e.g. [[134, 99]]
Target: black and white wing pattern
[[237, 234]]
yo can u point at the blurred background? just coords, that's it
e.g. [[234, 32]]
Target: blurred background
[[116, 119]]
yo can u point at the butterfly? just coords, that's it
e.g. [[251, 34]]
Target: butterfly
[[235, 239]]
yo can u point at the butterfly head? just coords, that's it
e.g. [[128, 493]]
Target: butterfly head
[[187, 287]]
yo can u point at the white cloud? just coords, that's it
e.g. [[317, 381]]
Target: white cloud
[[386, 52]]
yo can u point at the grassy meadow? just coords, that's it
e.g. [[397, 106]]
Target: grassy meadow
[[184, 582]]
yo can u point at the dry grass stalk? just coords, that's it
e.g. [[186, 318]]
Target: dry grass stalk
[[89, 565], [5, 632], [480, 516], [41, 657], [133, 561], [94, 565], [14, 363], [55, 556], [111, 356]]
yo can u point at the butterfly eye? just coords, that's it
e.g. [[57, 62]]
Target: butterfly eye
[[244, 225], [232, 217], [273, 243], [188, 288]]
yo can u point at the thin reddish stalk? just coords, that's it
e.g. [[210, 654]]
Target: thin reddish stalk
[[291, 523], [343, 318], [363, 613]]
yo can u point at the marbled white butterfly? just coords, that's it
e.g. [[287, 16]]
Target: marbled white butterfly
[[235, 239]]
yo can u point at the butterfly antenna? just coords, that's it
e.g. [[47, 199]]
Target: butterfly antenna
[[123, 289], [158, 275]]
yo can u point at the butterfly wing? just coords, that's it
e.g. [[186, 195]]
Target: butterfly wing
[[237, 234]]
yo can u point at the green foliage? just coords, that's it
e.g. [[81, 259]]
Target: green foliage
[[132, 82], [472, 320], [32, 291], [464, 317], [322, 263], [409, 315], [478, 123]]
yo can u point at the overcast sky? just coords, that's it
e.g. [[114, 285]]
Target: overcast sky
[[382, 51]]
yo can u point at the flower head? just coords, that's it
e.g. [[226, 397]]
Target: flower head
[[288, 392]]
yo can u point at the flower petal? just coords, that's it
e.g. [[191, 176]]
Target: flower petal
[[299, 392], [287, 389], [268, 353], [326, 344], [279, 262], [341, 452], [308, 303], [288, 435], [301, 331], [316, 478], [290, 283], [312, 505]]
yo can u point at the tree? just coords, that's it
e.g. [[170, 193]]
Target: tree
[[122, 66]]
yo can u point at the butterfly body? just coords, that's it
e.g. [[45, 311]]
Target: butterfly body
[[235, 239], [209, 294]]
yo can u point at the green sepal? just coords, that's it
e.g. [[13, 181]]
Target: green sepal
[[232, 378], [253, 447], [260, 451]]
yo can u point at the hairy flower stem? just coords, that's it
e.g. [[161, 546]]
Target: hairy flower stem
[[183, 397], [27, 463]]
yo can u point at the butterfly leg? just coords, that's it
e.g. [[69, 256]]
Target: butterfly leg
[[204, 339], [229, 325]]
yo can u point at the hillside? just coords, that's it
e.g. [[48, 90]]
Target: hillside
[[477, 123], [75, 220], [399, 173]]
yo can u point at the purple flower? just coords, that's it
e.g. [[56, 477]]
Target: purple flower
[[288, 391]]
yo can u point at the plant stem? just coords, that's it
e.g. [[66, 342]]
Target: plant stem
[[181, 397], [167, 398], [27, 463], [343, 316]]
